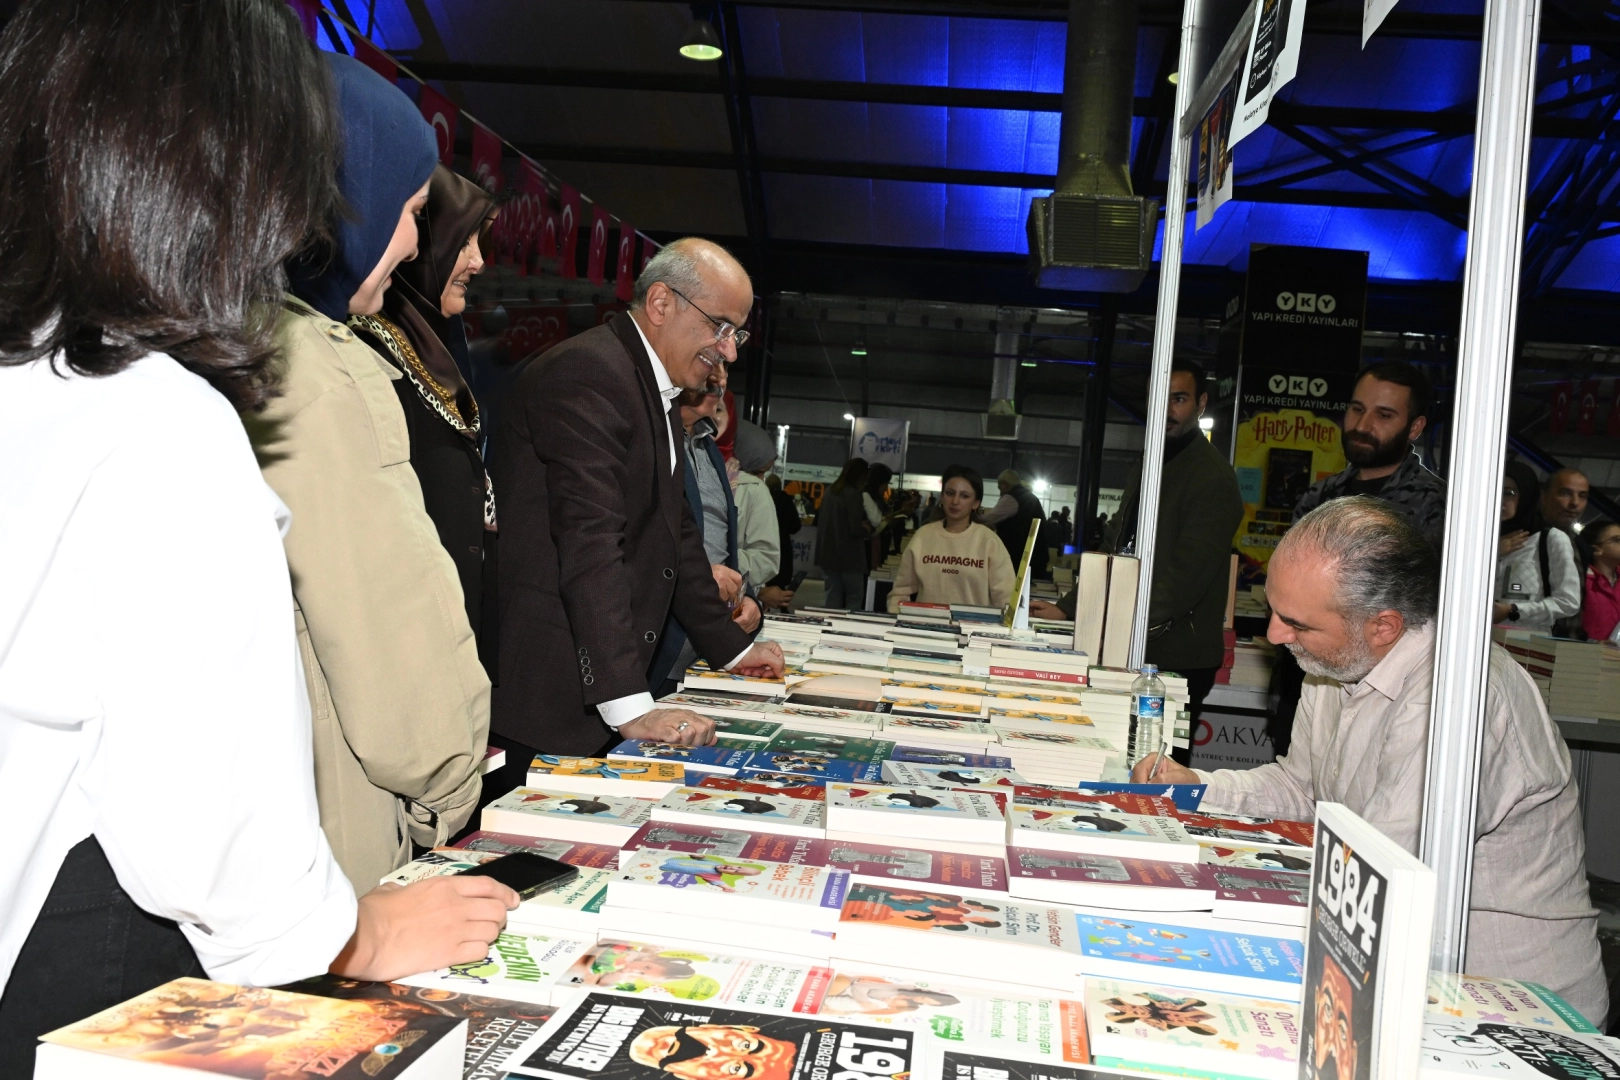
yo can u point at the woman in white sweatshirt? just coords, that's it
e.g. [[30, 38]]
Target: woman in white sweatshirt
[[1537, 582], [955, 561]]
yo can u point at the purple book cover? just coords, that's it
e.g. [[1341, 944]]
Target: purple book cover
[[1239, 883], [941, 869], [1107, 870], [732, 843]]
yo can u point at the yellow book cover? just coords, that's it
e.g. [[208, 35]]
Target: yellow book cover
[[661, 772]]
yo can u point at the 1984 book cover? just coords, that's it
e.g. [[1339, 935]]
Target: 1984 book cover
[[630, 1039], [1341, 962]]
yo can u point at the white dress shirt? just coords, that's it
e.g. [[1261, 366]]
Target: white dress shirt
[[621, 711], [150, 687], [1005, 508]]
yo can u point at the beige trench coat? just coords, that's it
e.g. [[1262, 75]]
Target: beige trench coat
[[399, 700]]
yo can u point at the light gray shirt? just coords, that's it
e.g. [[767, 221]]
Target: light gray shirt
[[712, 490], [1365, 745]]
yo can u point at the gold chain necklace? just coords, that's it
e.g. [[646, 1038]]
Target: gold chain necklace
[[402, 349]]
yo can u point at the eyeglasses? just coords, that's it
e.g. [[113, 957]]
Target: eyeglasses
[[723, 331]]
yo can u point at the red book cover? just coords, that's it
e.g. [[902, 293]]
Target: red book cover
[[1112, 802], [731, 843], [938, 869], [1253, 831], [1109, 870], [1073, 678], [813, 793]]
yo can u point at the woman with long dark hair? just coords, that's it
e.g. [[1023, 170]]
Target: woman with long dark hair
[[154, 723], [402, 702], [419, 330], [842, 530]]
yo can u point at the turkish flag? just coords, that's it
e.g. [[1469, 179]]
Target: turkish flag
[[624, 276], [532, 329], [486, 157], [596, 262], [532, 211], [1586, 415], [377, 60], [1559, 419], [568, 231], [648, 250], [440, 112]]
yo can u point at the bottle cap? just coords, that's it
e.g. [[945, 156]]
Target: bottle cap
[[1150, 669]]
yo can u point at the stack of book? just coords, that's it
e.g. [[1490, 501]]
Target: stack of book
[[1585, 680], [941, 733], [1532, 651], [564, 815], [908, 774], [602, 776], [944, 819], [1251, 662], [1122, 826], [1061, 757], [766, 808], [1026, 662]]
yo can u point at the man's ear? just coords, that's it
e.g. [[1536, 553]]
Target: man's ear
[[1385, 628], [1203, 403], [1416, 428]]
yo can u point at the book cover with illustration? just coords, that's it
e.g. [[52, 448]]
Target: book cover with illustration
[[650, 970], [1102, 802], [1034, 717], [1186, 797], [1143, 1025], [945, 870], [771, 808], [1189, 879], [550, 766], [1058, 742], [815, 764], [717, 840], [257, 1033], [922, 755], [699, 679], [562, 815], [1472, 998], [960, 1065], [945, 803], [497, 1028], [797, 895], [1073, 828], [1298, 862], [1507, 1050], [1242, 891], [1256, 832], [927, 707], [1221, 961], [519, 967], [969, 731], [812, 744], [1344, 941], [733, 706], [606, 1037], [717, 758], [946, 1014], [787, 785], [943, 914], [908, 774], [829, 702], [574, 854]]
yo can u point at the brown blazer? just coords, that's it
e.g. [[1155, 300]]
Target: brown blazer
[[598, 545]]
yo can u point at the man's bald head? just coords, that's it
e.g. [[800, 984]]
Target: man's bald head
[[1563, 500], [698, 268], [689, 299]]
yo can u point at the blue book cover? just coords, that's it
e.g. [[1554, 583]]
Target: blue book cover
[[701, 758], [822, 769], [922, 755], [1185, 796], [1221, 961], [768, 778]]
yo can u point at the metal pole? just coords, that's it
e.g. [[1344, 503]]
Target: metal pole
[[1479, 417], [1095, 429], [1164, 334]]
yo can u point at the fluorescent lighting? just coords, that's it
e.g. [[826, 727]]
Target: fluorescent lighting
[[1026, 363], [850, 417], [859, 348], [1039, 487], [1207, 423]]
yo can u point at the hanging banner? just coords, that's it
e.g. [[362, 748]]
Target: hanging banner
[[596, 257], [648, 250], [1558, 419], [440, 112], [550, 221], [532, 329], [880, 441], [535, 205], [1215, 153], [1273, 58], [1373, 16], [1301, 349], [375, 59], [624, 274], [568, 231], [1586, 413], [486, 157]]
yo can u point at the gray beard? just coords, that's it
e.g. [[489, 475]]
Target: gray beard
[[1349, 666]]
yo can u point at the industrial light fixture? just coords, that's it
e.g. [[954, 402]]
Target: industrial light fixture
[[859, 348], [1175, 77], [1207, 423], [702, 42], [1026, 363]]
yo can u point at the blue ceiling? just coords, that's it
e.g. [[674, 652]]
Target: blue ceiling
[[1392, 73]]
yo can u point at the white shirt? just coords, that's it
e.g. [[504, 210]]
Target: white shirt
[[1005, 507], [621, 711], [150, 687], [1518, 581]]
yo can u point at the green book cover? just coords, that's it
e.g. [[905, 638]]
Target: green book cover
[[831, 747], [729, 727]]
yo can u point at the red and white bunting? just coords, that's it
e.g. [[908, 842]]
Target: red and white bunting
[[596, 258], [440, 112], [624, 274], [486, 158], [568, 231]]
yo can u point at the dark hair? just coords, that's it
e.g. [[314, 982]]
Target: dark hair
[[853, 476], [1419, 390], [964, 472], [1595, 532], [878, 476], [1196, 370], [158, 162]]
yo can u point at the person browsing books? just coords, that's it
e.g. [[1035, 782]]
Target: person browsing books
[[957, 560], [162, 160], [1353, 589]]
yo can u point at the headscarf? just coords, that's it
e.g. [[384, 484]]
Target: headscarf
[[1528, 517], [755, 450], [727, 439], [388, 153]]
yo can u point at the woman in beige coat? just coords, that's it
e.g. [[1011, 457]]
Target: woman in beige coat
[[399, 699]]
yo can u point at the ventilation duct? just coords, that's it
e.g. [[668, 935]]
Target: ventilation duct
[[1093, 233], [1002, 419]]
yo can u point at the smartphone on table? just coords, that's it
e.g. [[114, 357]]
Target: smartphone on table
[[526, 873]]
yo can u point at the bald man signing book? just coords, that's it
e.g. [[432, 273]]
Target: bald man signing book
[[598, 544]]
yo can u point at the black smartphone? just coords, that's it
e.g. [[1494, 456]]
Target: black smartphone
[[798, 579], [526, 873]]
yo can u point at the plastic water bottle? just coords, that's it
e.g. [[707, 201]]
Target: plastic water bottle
[[1147, 713]]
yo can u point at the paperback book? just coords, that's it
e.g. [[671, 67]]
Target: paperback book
[[1105, 881], [573, 907], [1131, 948], [1298, 862], [818, 746], [835, 704], [815, 765], [720, 759], [732, 843], [962, 1065], [1110, 802], [787, 785], [1253, 832], [1092, 832], [519, 967], [908, 774], [600, 776], [925, 813], [771, 811], [654, 971], [726, 887], [1186, 797], [607, 1037], [979, 876], [699, 680], [561, 815], [716, 706], [1478, 1048], [1149, 1027], [1271, 896], [923, 755], [1472, 998]]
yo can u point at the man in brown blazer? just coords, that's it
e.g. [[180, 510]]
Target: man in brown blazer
[[598, 544]]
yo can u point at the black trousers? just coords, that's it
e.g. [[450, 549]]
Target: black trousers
[[90, 949]]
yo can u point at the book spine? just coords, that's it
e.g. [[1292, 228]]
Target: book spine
[[1071, 677]]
